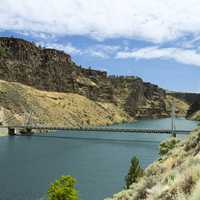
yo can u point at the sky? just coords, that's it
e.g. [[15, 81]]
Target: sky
[[157, 40]]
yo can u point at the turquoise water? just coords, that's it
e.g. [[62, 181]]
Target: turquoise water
[[99, 161]]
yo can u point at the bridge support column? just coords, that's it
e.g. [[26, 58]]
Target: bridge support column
[[26, 131], [29, 131], [11, 131], [174, 134]]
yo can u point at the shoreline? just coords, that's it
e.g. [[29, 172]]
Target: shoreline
[[3, 132]]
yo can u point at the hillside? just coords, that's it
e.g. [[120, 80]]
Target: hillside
[[194, 110], [54, 71], [54, 108], [187, 97], [175, 176]]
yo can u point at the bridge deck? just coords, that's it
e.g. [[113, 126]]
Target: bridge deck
[[100, 129]]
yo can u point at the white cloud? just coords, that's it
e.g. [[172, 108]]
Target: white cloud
[[99, 51], [185, 56], [68, 48], [154, 20], [102, 51]]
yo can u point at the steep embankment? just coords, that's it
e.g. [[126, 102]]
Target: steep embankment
[[181, 106], [54, 71], [193, 100], [194, 110], [52, 108], [187, 97], [175, 176]]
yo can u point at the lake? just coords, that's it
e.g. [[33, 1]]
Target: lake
[[99, 161]]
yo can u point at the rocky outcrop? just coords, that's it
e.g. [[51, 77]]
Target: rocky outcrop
[[194, 110], [189, 98], [52, 70]]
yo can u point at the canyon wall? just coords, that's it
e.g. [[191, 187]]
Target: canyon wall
[[54, 71]]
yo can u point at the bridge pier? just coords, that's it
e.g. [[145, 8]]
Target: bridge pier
[[26, 131], [11, 131], [174, 134]]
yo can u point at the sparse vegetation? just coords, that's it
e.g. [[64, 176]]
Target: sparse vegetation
[[167, 145], [175, 176], [2, 51]]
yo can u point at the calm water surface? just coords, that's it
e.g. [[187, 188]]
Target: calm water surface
[[99, 161]]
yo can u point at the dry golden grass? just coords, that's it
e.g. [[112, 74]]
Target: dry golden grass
[[181, 106], [53, 108]]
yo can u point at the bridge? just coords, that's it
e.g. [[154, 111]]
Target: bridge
[[29, 129]]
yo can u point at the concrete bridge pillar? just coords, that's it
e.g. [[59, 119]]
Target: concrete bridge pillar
[[173, 134], [11, 131], [26, 131], [29, 131]]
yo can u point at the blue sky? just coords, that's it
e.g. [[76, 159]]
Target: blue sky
[[157, 40]]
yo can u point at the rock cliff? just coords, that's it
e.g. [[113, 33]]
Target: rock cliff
[[54, 71], [194, 110], [189, 98]]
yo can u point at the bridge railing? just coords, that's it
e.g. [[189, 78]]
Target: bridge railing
[[98, 129]]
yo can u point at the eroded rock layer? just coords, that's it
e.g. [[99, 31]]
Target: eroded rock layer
[[52, 70]]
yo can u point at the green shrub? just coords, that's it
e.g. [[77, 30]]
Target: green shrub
[[63, 189], [2, 51], [197, 118], [167, 145], [135, 172]]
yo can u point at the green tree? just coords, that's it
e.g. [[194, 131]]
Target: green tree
[[135, 172], [63, 189]]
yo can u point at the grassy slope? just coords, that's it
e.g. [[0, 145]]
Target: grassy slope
[[195, 116], [176, 176], [181, 106], [54, 108]]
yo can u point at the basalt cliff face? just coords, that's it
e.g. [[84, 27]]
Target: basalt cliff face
[[54, 71], [189, 98], [194, 109]]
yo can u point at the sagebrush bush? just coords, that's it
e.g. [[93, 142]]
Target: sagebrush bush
[[141, 189], [2, 51], [196, 192], [167, 145]]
